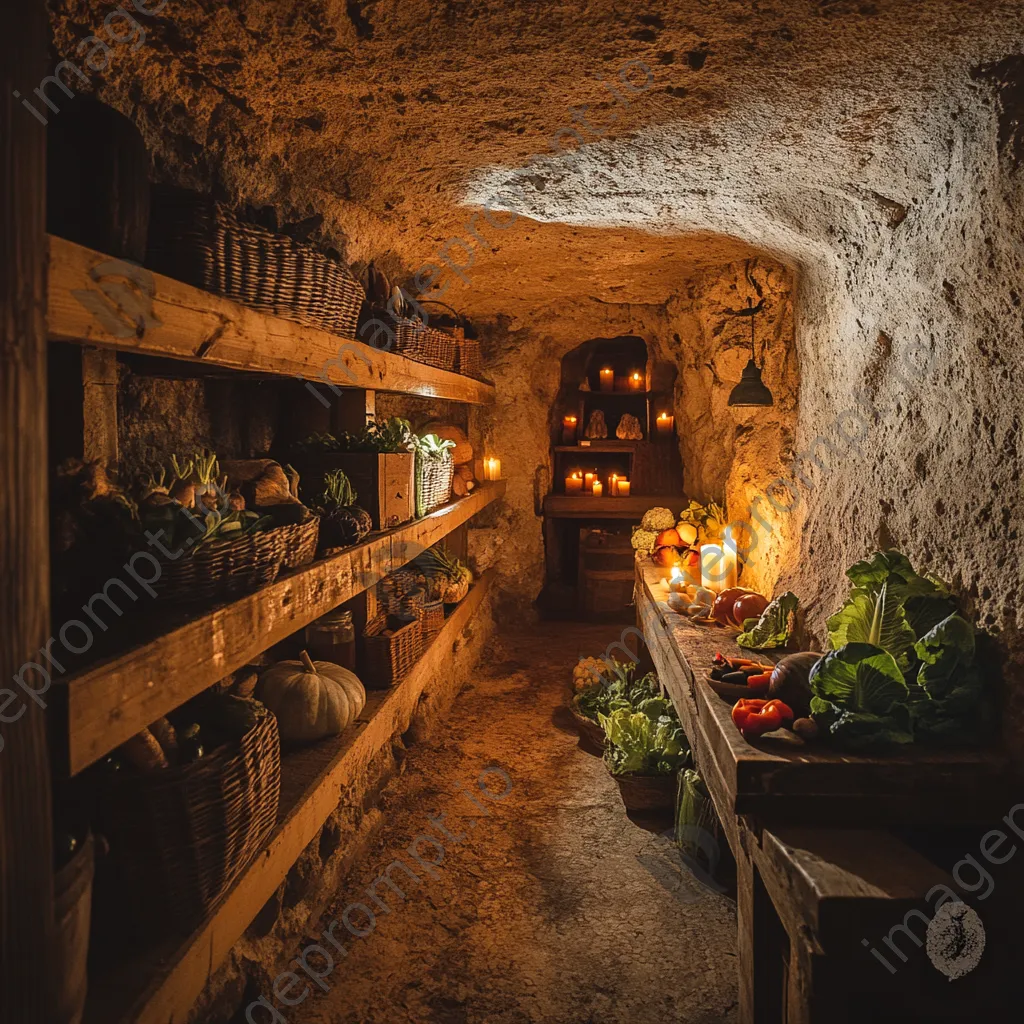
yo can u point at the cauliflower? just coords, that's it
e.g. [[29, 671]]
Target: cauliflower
[[643, 540], [587, 673], [657, 519]]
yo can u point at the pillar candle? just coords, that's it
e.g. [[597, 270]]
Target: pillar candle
[[730, 563], [607, 378], [622, 489], [664, 424], [636, 381], [568, 430], [588, 481], [712, 568], [492, 469], [613, 485], [574, 483], [598, 488]]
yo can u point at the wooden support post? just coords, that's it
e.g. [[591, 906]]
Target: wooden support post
[[99, 406], [27, 984], [352, 410]]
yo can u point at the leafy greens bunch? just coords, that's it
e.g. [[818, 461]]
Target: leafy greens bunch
[[901, 667], [618, 690], [647, 741]]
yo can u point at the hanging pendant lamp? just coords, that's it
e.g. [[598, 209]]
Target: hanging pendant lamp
[[751, 390]]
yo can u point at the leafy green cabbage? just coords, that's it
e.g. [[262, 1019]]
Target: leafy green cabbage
[[902, 661], [774, 627]]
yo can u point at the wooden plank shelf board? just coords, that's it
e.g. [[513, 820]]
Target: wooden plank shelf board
[[160, 985], [814, 784], [586, 506], [111, 701], [95, 300]]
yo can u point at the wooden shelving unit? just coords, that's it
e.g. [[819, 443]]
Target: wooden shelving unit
[[92, 300], [111, 701], [111, 305], [161, 984]]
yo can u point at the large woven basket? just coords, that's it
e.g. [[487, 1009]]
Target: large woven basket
[[402, 594], [199, 240], [433, 482], [591, 734], [179, 837], [300, 542], [647, 792], [389, 659], [223, 569]]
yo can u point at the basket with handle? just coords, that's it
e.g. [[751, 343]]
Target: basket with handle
[[412, 338], [468, 358]]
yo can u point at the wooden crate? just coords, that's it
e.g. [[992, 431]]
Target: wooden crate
[[384, 482]]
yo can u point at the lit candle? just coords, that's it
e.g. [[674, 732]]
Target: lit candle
[[712, 568], [622, 489], [636, 381], [574, 483], [568, 430], [607, 378], [664, 424], [730, 563], [588, 481], [492, 468], [598, 488], [613, 485]]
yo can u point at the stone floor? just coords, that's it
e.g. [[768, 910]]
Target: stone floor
[[549, 904]]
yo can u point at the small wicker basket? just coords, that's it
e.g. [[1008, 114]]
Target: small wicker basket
[[180, 836], [469, 360], [391, 646], [414, 340], [433, 482], [431, 621]]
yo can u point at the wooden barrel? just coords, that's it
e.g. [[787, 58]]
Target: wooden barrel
[[72, 903]]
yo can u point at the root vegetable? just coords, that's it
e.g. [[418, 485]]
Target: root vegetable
[[790, 681]]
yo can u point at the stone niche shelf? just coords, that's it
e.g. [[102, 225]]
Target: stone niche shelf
[[161, 984], [178, 321], [111, 701]]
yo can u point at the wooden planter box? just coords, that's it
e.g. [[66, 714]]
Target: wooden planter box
[[384, 482]]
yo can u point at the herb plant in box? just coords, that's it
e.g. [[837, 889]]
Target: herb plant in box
[[378, 461]]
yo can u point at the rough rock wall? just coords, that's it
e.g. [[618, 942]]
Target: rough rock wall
[[872, 147]]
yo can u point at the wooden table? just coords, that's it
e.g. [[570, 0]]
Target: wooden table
[[816, 868]]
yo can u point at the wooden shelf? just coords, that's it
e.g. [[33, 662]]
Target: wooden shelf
[[599, 446], [161, 984], [586, 506], [183, 322], [111, 701]]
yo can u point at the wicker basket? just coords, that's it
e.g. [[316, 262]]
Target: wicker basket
[[647, 792], [180, 836], [469, 360], [591, 734], [401, 602], [196, 239], [300, 542], [431, 621], [414, 340], [223, 569], [389, 659], [433, 482]]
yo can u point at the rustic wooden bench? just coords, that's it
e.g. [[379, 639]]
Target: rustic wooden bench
[[818, 870]]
